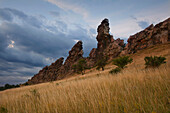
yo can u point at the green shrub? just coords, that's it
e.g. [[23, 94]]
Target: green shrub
[[154, 61], [74, 67], [3, 110], [121, 62], [115, 71], [101, 63], [80, 66]]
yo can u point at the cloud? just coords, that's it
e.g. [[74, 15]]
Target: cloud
[[86, 35], [143, 24], [13, 15], [66, 5], [125, 28], [13, 79], [55, 13], [5, 15], [28, 43]]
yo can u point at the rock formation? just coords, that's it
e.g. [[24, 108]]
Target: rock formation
[[48, 73], [75, 54], [107, 46], [58, 70], [152, 35]]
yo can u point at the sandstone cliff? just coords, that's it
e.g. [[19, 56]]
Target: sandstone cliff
[[48, 73], [107, 46], [58, 70], [152, 35]]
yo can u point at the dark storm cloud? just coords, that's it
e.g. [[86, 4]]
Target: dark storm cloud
[[143, 24], [84, 35], [5, 15], [13, 79], [28, 43], [16, 68], [15, 72], [8, 14], [29, 39]]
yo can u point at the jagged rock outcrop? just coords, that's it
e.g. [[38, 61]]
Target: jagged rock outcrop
[[48, 73], [58, 70], [106, 46], [152, 35], [75, 54]]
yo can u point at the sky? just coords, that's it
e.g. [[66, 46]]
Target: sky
[[35, 33]]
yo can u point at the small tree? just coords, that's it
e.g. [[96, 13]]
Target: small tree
[[101, 63], [80, 66], [154, 61], [74, 67], [115, 71], [121, 62]]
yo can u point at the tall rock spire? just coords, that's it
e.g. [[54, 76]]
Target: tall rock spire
[[106, 45], [103, 37]]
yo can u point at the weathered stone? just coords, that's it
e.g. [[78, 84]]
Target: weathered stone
[[93, 53], [120, 42], [106, 46], [152, 35], [75, 54], [48, 73], [58, 70]]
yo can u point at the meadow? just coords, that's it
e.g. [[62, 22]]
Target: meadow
[[134, 90]]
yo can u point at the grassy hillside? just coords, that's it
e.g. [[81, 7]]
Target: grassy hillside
[[133, 90]]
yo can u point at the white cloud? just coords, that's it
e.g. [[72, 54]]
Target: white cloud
[[11, 45], [130, 26], [125, 28], [48, 60], [66, 6], [76, 41]]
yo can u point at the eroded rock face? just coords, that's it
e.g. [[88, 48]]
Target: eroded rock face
[[152, 35], [58, 70], [75, 54], [106, 46], [103, 37], [48, 73]]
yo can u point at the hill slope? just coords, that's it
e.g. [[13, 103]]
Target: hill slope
[[133, 90]]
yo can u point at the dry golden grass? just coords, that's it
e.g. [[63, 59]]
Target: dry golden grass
[[133, 90]]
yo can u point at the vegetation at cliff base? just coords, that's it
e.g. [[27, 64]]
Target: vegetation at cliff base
[[115, 71], [154, 61], [101, 63], [121, 62], [80, 66]]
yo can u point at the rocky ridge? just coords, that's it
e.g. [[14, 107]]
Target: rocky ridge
[[58, 70], [152, 35], [107, 46]]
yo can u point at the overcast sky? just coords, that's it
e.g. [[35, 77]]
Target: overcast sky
[[34, 33]]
